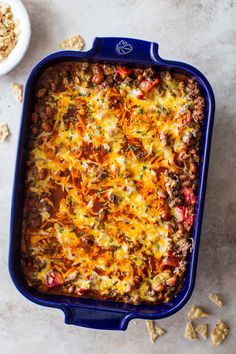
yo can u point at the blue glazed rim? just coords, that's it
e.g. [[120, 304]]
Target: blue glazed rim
[[92, 313]]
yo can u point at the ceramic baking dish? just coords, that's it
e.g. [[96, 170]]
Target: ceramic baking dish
[[92, 313]]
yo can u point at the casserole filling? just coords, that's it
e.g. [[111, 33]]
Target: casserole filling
[[111, 182]]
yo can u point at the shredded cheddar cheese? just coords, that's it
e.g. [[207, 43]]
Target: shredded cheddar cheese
[[101, 217]]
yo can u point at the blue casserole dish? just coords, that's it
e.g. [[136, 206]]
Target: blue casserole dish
[[97, 313]]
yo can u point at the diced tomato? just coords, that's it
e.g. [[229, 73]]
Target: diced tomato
[[185, 216], [123, 71], [140, 95], [170, 260], [54, 279], [147, 85], [155, 82], [184, 147], [189, 196]]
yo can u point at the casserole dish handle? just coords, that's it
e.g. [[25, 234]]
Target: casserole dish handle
[[98, 319], [125, 50]]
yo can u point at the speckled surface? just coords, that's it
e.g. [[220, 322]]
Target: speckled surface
[[201, 33]]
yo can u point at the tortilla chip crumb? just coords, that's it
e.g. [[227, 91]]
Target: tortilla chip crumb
[[160, 331], [197, 312], [75, 43], [18, 91], [4, 131], [216, 299], [9, 32], [154, 330], [219, 333], [190, 332], [202, 329]]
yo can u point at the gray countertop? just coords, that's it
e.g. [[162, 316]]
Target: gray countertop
[[198, 32]]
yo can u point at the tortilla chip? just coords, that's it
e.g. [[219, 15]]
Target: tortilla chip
[[154, 330], [9, 32], [197, 312], [18, 91], [219, 333], [75, 43], [190, 331], [216, 299], [4, 131], [202, 329]]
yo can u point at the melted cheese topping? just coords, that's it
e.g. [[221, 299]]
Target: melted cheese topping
[[102, 231]]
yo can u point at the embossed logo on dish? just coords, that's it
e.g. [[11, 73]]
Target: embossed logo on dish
[[123, 47]]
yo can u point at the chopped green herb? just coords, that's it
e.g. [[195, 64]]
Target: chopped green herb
[[96, 132], [69, 199], [133, 147], [140, 110]]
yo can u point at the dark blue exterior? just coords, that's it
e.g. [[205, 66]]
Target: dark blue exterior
[[88, 312]]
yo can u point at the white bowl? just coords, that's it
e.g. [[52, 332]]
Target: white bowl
[[16, 55]]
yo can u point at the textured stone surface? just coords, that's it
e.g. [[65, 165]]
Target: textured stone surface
[[199, 32]]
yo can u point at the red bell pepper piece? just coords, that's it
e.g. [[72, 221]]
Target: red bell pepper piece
[[141, 95], [123, 71], [147, 85]]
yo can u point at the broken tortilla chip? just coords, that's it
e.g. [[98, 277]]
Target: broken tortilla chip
[[75, 43], [154, 330], [219, 333], [190, 331], [4, 131], [202, 329], [197, 312], [216, 299], [18, 91]]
